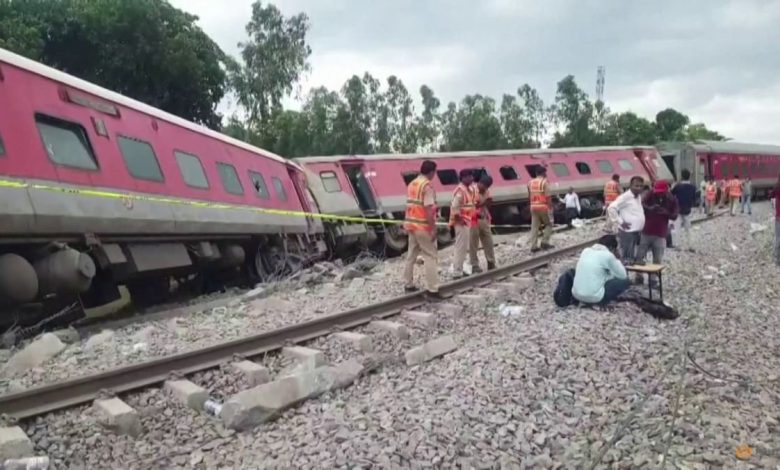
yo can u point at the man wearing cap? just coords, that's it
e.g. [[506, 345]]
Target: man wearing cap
[[660, 207]]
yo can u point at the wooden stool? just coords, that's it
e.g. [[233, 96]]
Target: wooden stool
[[650, 270]]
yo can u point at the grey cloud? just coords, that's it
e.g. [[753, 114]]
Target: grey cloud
[[704, 48]]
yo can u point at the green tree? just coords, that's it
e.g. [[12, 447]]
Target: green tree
[[356, 116], [572, 114], [699, 131], [400, 116], [534, 113], [429, 122], [274, 58], [670, 124], [629, 129], [472, 126], [145, 49]]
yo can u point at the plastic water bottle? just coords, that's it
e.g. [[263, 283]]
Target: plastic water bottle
[[27, 463], [212, 407]]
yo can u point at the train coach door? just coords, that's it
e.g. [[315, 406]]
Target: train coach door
[[361, 187], [303, 194]]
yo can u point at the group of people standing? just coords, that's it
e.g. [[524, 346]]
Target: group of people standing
[[734, 193], [469, 218]]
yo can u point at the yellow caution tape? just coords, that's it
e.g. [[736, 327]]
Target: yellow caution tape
[[128, 198]]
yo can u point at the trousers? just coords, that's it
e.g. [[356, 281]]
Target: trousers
[[613, 288], [482, 234], [777, 241], [627, 241], [734, 203], [746, 203], [537, 219], [654, 243], [682, 227], [462, 246], [420, 243]]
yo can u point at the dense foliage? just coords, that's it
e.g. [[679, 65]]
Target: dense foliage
[[155, 53]]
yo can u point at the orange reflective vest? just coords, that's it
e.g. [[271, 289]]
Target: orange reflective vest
[[416, 218], [536, 191], [611, 191], [468, 206], [711, 192], [735, 188]]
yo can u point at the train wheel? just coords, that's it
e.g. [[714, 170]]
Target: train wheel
[[148, 292], [395, 240]]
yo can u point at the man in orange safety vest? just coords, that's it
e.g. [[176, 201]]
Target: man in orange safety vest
[[462, 210], [420, 224], [735, 194], [710, 194], [540, 210], [482, 232]]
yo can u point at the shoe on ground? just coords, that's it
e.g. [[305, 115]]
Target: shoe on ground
[[491, 266], [535, 250], [547, 246], [410, 289], [434, 296], [476, 270]]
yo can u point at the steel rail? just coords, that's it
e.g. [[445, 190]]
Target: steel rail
[[59, 395]]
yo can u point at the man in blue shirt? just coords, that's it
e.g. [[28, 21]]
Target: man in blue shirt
[[685, 193], [600, 277]]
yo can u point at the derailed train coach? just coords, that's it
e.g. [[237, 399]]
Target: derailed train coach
[[374, 186], [99, 190], [725, 160]]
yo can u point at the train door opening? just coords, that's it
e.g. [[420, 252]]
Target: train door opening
[[361, 187], [302, 192], [669, 160]]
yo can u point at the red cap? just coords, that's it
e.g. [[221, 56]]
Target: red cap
[[661, 186]]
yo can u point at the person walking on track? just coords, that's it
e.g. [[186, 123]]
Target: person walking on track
[[711, 195], [626, 213], [462, 210], [702, 192], [735, 195], [612, 191], [747, 195], [420, 224], [685, 193], [540, 210], [481, 233], [572, 202]]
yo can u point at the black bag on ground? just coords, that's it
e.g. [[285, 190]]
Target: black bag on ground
[[562, 294], [657, 309]]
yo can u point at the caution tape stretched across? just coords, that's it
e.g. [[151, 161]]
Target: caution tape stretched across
[[128, 198]]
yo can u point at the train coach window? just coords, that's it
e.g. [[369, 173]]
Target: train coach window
[[625, 165], [560, 169], [409, 176], [533, 169], [447, 177], [140, 159], [191, 170], [259, 184], [583, 168], [605, 166], [279, 187], [2, 147], [229, 177], [330, 181], [508, 173], [66, 142]]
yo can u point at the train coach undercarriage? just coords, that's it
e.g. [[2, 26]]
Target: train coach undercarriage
[[41, 278]]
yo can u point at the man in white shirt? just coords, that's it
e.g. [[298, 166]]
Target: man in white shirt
[[600, 277], [572, 202], [626, 213]]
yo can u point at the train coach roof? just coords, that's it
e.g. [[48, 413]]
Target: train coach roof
[[83, 85], [466, 154], [735, 147]]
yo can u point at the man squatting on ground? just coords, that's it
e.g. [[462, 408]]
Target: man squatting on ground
[[626, 213], [600, 277]]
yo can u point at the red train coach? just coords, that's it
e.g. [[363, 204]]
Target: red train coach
[[725, 160], [99, 190], [375, 185]]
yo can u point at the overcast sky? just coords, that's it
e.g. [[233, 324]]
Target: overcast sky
[[716, 60]]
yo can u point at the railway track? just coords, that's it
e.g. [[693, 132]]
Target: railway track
[[56, 396]]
